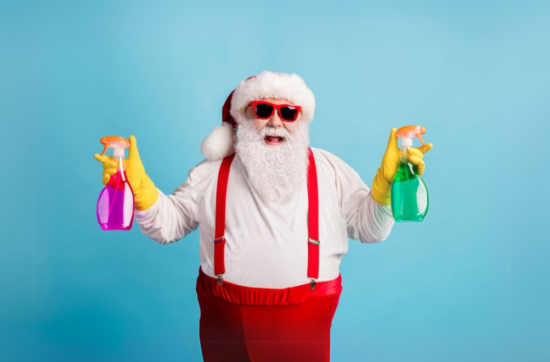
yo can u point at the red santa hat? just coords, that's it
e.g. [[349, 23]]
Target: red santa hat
[[221, 141]]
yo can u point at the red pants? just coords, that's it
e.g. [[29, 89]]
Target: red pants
[[260, 325]]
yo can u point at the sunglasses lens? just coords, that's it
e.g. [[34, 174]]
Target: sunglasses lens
[[264, 110], [289, 113]]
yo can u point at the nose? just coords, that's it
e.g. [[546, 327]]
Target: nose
[[275, 121]]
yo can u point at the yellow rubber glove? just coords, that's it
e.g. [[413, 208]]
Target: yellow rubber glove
[[145, 192], [381, 185]]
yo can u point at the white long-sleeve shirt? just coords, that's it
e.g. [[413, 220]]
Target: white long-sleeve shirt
[[266, 244]]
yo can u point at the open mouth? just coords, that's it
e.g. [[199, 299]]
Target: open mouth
[[273, 140]]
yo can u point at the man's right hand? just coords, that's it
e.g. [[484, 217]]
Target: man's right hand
[[145, 192]]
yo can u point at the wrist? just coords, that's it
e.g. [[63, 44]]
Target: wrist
[[381, 189], [146, 195]]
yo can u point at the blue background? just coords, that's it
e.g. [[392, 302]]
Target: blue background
[[470, 283]]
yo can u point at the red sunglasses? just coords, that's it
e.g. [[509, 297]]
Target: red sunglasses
[[264, 110]]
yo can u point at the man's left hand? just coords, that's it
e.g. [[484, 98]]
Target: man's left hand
[[381, 185]]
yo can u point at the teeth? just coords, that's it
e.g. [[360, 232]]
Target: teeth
[[274, 138]]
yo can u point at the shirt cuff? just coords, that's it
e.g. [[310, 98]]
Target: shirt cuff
[[144, 215]]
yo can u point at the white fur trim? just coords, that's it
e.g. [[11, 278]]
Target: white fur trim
[[274, 85], [219, 143]]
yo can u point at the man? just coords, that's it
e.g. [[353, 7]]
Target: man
[[274, 217]]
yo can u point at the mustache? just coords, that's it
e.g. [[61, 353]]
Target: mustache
[[275, 132], [273, 172]]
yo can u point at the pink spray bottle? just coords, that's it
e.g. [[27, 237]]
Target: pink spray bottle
[[115, 206]]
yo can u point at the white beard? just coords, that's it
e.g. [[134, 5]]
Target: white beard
[[275, 172]]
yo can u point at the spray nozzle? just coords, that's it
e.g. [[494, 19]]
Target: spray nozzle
[[118, 144], [411, 132]]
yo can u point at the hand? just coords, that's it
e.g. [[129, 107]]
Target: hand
[[145, 192], [381, 185], [415, 156]]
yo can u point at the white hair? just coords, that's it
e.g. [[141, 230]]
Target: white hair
[[275, 172]]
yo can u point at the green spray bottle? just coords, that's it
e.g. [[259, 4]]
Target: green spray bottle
[[409, 194]]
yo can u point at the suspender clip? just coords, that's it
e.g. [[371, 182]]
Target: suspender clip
[[220, 280], [313, 284]]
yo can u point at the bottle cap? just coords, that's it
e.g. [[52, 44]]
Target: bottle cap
[[114, 142], [411, 132]]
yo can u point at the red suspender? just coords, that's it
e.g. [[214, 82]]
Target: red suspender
[[313, 219], [219, 234]]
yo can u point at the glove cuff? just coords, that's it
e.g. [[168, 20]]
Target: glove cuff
[[146, 195], [381, 189]]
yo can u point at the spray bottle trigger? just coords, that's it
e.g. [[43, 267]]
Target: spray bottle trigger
[[116, 140], [105, 149]]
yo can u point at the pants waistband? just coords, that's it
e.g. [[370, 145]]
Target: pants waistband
[[238, 294]]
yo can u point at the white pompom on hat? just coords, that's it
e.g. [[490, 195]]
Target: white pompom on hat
[[221, 141]]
